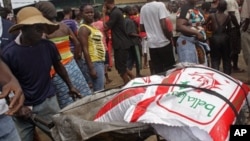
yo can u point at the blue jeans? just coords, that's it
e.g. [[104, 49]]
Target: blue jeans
[[8, 130], [98, 83], [45, 110]]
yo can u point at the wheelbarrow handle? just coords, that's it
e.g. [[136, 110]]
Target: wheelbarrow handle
[[48, 124]]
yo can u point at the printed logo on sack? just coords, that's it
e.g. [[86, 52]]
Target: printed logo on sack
[[206, 80]]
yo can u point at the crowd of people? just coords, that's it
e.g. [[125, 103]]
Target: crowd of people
[[47, 64]]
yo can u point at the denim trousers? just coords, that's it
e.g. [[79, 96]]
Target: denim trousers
[[45, 110], [98, 83], [8, 130]]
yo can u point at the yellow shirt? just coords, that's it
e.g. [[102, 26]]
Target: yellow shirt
[[96, 46]]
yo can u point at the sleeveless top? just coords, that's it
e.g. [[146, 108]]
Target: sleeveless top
[[63, 46], [96, 46], [221, 28]]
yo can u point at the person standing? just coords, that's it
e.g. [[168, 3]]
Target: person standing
[[9, 84], [61, 37], [67, 11], [98, 23], [245, 36], [91, 40], [135, 49], [120, 41], [143, 36], [233, 11], [220, 40], [74, 26], [191, 46], [153, 20], [30, 58]]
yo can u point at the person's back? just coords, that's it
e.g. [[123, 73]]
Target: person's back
[[67, 11], [61, 38], [219, 22], [119, 36], [220, 27], [150, 16], [120, 40], [153, 20], [68, 21], [219, 42]]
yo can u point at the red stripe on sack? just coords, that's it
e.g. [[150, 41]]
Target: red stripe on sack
[[122, 96], [146, 80], [220, 130], [141, 108], [171, 79]]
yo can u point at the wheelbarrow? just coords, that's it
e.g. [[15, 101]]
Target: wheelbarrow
[[76, 121]]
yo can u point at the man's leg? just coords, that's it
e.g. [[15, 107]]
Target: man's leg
[[121, 56], [235, 48], [8, 129], [25, 128], [45, 111]]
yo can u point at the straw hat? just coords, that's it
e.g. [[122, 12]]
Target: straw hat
[[31, 16]]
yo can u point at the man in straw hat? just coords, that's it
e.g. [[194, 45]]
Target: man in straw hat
[[30, 58]]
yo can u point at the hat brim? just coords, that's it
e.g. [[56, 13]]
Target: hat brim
[[49, 26]]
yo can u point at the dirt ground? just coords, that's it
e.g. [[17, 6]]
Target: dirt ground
[[117, 81]]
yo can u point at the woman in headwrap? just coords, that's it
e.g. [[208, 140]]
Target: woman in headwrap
[[61, 38]]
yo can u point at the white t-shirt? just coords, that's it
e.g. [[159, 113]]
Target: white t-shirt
[[233, 6], [150, 16], [173, 20]]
